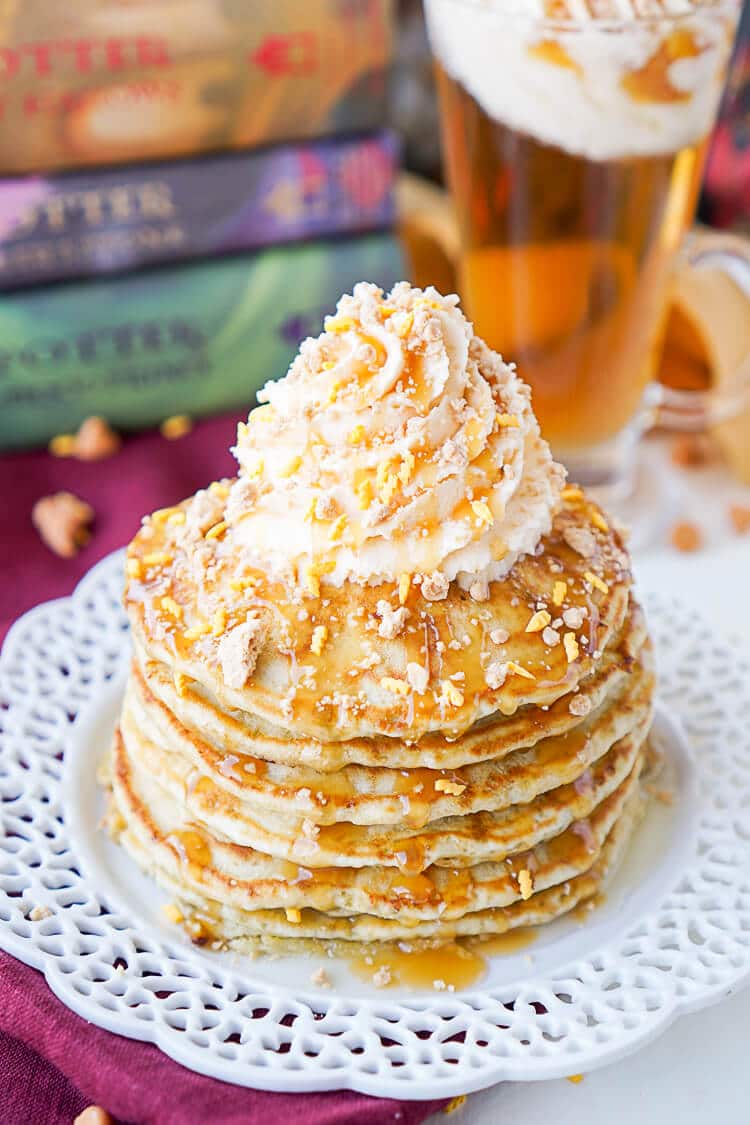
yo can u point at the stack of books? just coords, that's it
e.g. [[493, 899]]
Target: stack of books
[[186, 187]]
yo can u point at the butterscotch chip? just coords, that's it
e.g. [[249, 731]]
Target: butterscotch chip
[[519, 670], [395, 686], [173, 914], [404, 585], [181, 684], [62, 445], [559, 590], [686, 536], [595, 581], [571, 494], [319, 637], [96, 440], [452, 788], [176, 426], [62, 522], [570, 644], [538, 621], [739, 514], [481, 510], [451, 693], [525, 883]]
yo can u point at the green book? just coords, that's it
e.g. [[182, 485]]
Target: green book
[[197, 339]]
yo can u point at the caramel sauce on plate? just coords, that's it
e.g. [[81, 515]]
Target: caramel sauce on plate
[[503, 944], [450, 966]]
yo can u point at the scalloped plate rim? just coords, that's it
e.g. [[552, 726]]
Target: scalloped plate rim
[[457, 1080]]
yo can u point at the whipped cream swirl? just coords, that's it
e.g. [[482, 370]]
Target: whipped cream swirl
[[398, 444]]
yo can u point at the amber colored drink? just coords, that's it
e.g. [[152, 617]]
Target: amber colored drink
[[569, 285], [575, 164]]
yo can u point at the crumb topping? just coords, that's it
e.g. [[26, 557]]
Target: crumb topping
[[392, 621], [239, 650], [62, 521]]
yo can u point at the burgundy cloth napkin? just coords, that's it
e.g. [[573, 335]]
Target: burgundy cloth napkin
[[53, 1063]]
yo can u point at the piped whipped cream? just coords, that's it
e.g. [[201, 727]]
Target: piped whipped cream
[[597, 79], [398, 447]]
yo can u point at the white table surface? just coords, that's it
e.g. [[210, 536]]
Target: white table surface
[[698, 1072]]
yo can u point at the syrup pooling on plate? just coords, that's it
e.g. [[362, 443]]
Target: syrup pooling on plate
[[351, 718]]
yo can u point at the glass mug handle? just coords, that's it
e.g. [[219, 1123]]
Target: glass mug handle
[[699, 410]]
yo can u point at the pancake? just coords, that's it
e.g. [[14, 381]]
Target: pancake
[[310, 695], [236, 732], [237, 876], [453, 841], [234, 930], [224, 921], [390, 683], [366, 795]]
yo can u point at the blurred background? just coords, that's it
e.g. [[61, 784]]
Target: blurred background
[[187, 185], [186, 188]]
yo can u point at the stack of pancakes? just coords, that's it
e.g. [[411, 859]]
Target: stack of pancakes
[[316, 795]]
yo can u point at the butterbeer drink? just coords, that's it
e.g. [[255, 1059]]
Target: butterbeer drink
[[574, 135]]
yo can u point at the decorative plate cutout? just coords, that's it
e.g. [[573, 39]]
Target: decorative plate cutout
[[672, 936]]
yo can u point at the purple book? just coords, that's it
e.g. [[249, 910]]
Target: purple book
[[75, 224]]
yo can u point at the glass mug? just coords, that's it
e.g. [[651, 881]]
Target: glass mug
[[574, 137]]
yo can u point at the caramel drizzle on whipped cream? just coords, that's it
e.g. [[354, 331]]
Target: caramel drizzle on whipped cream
[[397, 446]]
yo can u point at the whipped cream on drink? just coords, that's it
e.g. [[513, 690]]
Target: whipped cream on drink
[[592, 77]]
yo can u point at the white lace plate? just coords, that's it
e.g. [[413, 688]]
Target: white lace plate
[[672, 936]]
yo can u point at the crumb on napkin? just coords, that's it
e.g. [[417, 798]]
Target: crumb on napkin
[[93, 1115], [94, 441], [62, 522]]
